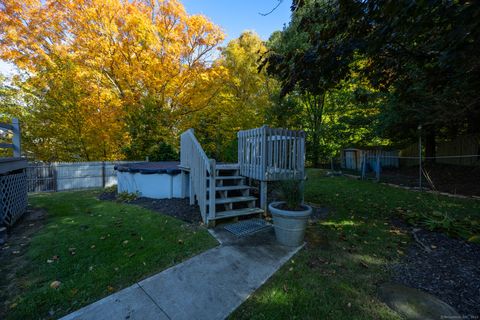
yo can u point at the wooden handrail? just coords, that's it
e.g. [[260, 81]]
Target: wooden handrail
[[202, 170], [190, 134]]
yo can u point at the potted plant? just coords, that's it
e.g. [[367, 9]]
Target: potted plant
[[290, 216]]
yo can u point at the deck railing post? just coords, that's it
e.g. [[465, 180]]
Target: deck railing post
[[212, 192], [264, 156], [263, 196], [16, 138]]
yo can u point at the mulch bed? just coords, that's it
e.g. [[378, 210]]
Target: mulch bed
[[177, 208], [445, 267]]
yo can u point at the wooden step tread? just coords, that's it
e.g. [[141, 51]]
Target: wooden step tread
[[228, 188], [229, 177], [236, 213], [234, 199], [227, 166]]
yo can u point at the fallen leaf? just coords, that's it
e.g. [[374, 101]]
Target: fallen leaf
[[55, 284], [110, 288], [92, 246], [49, 261], [102, 238], [125, 242]]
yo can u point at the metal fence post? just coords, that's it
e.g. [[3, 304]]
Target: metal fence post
[[420, 157], [53, 167], [103, 174]]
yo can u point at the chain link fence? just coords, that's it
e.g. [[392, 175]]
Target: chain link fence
[[455, 174]]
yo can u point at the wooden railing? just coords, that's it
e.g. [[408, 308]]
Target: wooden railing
[[13, 128], [201, 176], [269, 154]]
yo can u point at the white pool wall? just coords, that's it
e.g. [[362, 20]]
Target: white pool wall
[[156, 186]]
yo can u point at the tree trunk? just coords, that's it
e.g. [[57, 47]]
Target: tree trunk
[[314, 106]]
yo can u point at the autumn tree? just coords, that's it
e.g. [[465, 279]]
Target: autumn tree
[[111, 78], [243, 96], [422, 55]]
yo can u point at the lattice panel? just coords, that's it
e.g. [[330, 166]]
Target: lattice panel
[[13, 197]]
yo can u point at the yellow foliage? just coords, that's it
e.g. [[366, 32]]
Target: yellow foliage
[[93, 64]]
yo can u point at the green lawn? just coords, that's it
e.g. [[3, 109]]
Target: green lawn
[[93, 248], [346, 257]]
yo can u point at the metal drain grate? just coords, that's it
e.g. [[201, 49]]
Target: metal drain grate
[[247, 227]]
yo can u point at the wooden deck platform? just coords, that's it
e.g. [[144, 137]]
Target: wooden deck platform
[[12, 164]]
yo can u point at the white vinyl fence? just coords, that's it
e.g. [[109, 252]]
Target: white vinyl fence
[[61, 176]]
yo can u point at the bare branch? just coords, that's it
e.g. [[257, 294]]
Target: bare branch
[[275, 8]]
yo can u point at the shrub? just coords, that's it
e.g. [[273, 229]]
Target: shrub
[[291, 191]]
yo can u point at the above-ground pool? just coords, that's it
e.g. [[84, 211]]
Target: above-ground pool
[[158, 180]]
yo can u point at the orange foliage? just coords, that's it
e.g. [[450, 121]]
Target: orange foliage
[[93, 64]]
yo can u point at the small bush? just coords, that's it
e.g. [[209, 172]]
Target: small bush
[[111, 189], [466, 227], [127, 197]]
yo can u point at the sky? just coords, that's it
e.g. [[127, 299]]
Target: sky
[[233, 16], [236, 16]]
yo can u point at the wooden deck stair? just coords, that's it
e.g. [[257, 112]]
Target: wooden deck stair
[[264, 154], [232, 195]]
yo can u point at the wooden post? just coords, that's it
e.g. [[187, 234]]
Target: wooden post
[[264, 157], [191, 195], [184, 184], [16, 138], [212, 193], [364, 166], [263, 196]]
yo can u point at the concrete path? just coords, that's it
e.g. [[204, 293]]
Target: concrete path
[[208, 286]]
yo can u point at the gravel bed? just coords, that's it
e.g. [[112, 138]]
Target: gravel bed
[[445, 267], [178, 208]]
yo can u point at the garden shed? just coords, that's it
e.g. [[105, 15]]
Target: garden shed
[[352, 158]]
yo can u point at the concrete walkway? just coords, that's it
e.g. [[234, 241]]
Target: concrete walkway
[[208, 286]]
